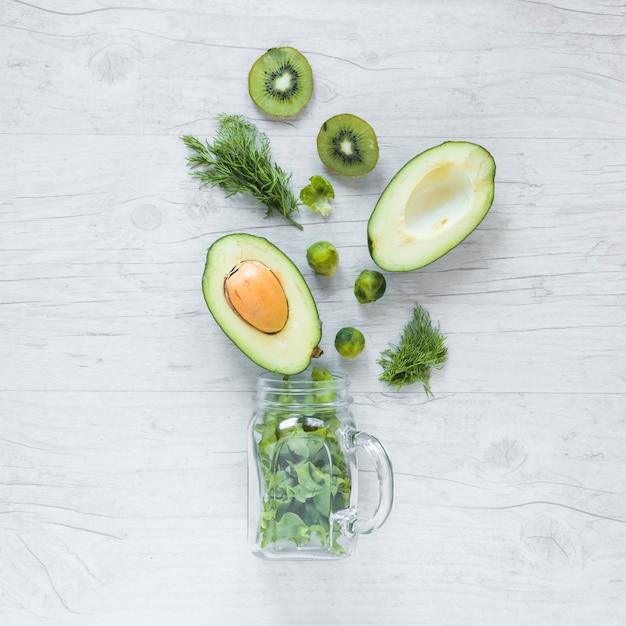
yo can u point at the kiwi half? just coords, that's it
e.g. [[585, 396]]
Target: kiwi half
[[347, 145], [280, 82]]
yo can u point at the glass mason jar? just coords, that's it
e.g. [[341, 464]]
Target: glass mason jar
[[302, 470]]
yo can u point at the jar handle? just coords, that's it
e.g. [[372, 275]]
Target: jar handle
[[384, 471]]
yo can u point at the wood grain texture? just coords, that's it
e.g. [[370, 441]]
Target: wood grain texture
[[123, 407]]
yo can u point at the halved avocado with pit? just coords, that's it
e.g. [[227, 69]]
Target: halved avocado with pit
[[432, 204], [261, 301]]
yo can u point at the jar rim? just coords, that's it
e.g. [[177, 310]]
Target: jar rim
[[299, 381]]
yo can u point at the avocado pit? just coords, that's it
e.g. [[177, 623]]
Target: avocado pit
[[255, 294]]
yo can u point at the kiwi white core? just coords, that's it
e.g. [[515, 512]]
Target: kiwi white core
[[346, 147], [283, 83]]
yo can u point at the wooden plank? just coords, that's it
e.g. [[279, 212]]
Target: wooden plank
[[123, 407], [108, 498], [526, 69], [532, 300]]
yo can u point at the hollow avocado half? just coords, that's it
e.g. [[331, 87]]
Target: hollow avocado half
[[432, 204], [241, 278]]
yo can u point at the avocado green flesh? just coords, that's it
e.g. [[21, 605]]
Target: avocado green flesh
[[286, 352], [432, 204]]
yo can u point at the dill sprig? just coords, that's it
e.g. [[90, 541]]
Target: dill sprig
[[239, 161], [421, 348]]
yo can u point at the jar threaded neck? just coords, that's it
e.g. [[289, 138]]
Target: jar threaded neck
[[275, 389]]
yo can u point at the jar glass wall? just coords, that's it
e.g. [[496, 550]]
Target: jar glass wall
[[303, 474]]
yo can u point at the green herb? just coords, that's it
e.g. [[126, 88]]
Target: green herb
[[304, 470], [239, 161], [421, 348], [318, 194]]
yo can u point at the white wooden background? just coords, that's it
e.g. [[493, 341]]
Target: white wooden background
[[123, 408]]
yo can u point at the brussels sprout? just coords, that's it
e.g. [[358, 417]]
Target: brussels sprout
[[369, 286], [321, 374], [317, 195], [323, 258], [349, 342]]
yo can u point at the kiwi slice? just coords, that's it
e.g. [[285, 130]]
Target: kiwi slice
[[347, 145], [280, 82]]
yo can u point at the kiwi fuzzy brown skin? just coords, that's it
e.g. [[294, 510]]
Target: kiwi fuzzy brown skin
[[280, 82], [347, 145]]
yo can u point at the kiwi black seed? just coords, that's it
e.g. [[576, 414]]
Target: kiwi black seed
[[280, 82], [347, 145]]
